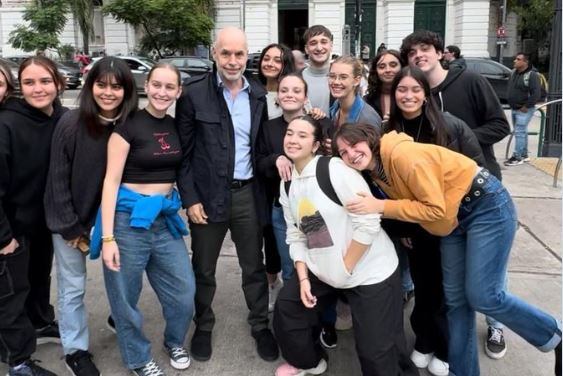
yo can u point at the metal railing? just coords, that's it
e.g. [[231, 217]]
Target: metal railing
[[541, 133]]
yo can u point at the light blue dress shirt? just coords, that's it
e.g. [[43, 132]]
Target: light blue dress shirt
[[239, 108]]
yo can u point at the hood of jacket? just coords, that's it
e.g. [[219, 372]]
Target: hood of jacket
[[36, 116], [453, 74], [390, 141]]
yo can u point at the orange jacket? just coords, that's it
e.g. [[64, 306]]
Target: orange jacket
[[427, 182]]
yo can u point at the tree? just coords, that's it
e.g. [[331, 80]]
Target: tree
[[83, 12], [46, 20], [168, 25]]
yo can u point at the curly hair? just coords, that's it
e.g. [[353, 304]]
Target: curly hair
[[374, 82], [418, 37]]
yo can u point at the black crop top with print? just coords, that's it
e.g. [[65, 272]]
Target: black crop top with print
[[155, 153]]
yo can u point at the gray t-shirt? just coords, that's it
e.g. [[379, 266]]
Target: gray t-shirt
[[317, 83]]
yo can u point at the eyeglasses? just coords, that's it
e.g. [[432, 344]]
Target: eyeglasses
[[339, 77]]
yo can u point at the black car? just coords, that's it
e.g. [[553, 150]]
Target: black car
[[252, 63], [193, 65], [496, 73], [71, 73]]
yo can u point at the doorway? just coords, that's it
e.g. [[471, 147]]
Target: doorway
[[293, 20]]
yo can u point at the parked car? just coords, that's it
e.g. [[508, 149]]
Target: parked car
[[140, 67], [71, 74], [193, 65], [252, 63], [496, 73]]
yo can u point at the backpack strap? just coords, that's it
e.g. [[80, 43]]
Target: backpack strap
[[323, 178]]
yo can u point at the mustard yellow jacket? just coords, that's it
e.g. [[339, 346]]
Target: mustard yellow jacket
[[426, 182]]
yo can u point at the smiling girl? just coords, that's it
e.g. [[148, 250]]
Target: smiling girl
[[335, 251], [26, 251], [344, 81], [384, 68], [73, 194], [141, 230]]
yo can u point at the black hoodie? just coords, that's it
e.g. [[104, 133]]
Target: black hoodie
[[471, 98], [25, 144]]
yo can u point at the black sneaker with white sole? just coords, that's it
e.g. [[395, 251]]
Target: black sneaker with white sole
[[179, 357], [495, 347], [513, 161], [48, 334], [328, 337], [80, 364], [149, 369]]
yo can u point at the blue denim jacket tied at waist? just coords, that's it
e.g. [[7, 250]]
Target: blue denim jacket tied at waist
[[144, 210]]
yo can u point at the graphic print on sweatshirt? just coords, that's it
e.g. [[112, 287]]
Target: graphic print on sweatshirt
[[164, 147], [313, 225]]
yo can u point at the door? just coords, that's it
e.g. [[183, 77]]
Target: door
[[293, 20], [430, 15], [367, 34]]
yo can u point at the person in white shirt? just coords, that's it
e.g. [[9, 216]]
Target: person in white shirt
[[335, 251]]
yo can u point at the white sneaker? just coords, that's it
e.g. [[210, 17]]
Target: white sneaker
[[273, 292], [421, 360], [287, 369], [438, 367]]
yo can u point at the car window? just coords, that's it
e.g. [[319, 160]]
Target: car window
[[196, 63], [148, 62], [177, 62], [133, 65], [490, 68]]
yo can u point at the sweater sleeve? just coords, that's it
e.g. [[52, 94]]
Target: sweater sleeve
[[426, 183], [6, 235], [347, 184], [295, 238], [265, 155], [59, 208], [494, 126]]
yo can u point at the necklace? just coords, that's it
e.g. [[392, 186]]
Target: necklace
[[108, 120], [419, 128]]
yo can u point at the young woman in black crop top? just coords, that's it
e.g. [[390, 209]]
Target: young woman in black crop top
[[142, 230]]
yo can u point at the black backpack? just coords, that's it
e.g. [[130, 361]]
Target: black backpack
[[323, 178]]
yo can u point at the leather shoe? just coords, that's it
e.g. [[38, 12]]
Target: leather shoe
[[201, 345], [266, 345]]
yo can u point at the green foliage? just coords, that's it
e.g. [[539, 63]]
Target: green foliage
[[83, 12], [168, 25], [65, 51], [534, 18], [45, 21]]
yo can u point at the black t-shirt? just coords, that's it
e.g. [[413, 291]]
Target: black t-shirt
[[154, 153]]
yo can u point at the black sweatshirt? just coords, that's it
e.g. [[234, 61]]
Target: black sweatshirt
[[471, 98], [76, 176], [25, 145], [523, 94]]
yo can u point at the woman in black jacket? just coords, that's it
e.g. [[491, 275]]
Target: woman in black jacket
[[73, 194], [26, 251], [414, 112]]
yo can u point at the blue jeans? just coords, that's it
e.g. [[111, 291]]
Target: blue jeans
[[474, 262], [71, 286], [280, 232], [170, 274], [520, 121], [406, 279]]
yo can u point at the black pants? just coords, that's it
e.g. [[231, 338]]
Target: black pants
[[273, 261], [378, 325], [17, 335], [39, 310], [428, 318], [206, 245]]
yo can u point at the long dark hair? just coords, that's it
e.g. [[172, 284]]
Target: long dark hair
[[374, 82], [107, 68], [288, 63], [430, 109], [7, 73]]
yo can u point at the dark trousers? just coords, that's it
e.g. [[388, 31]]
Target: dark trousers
[[39, 310], [273, 261], [247, 236], [378, 325], [428, 318], [17, 335]]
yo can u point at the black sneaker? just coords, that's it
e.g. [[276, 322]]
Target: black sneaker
[[29, 368], [80, 364], [149, 369], [201, 345], [558, 360], [48, 334], [328, 337], [266, 345], [179, 357], [513, 161], [495, 347], [110, 324]]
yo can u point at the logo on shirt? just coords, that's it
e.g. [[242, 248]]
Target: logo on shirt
[[163, 144]]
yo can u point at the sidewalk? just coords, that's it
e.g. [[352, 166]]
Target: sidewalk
[[534, 273]]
